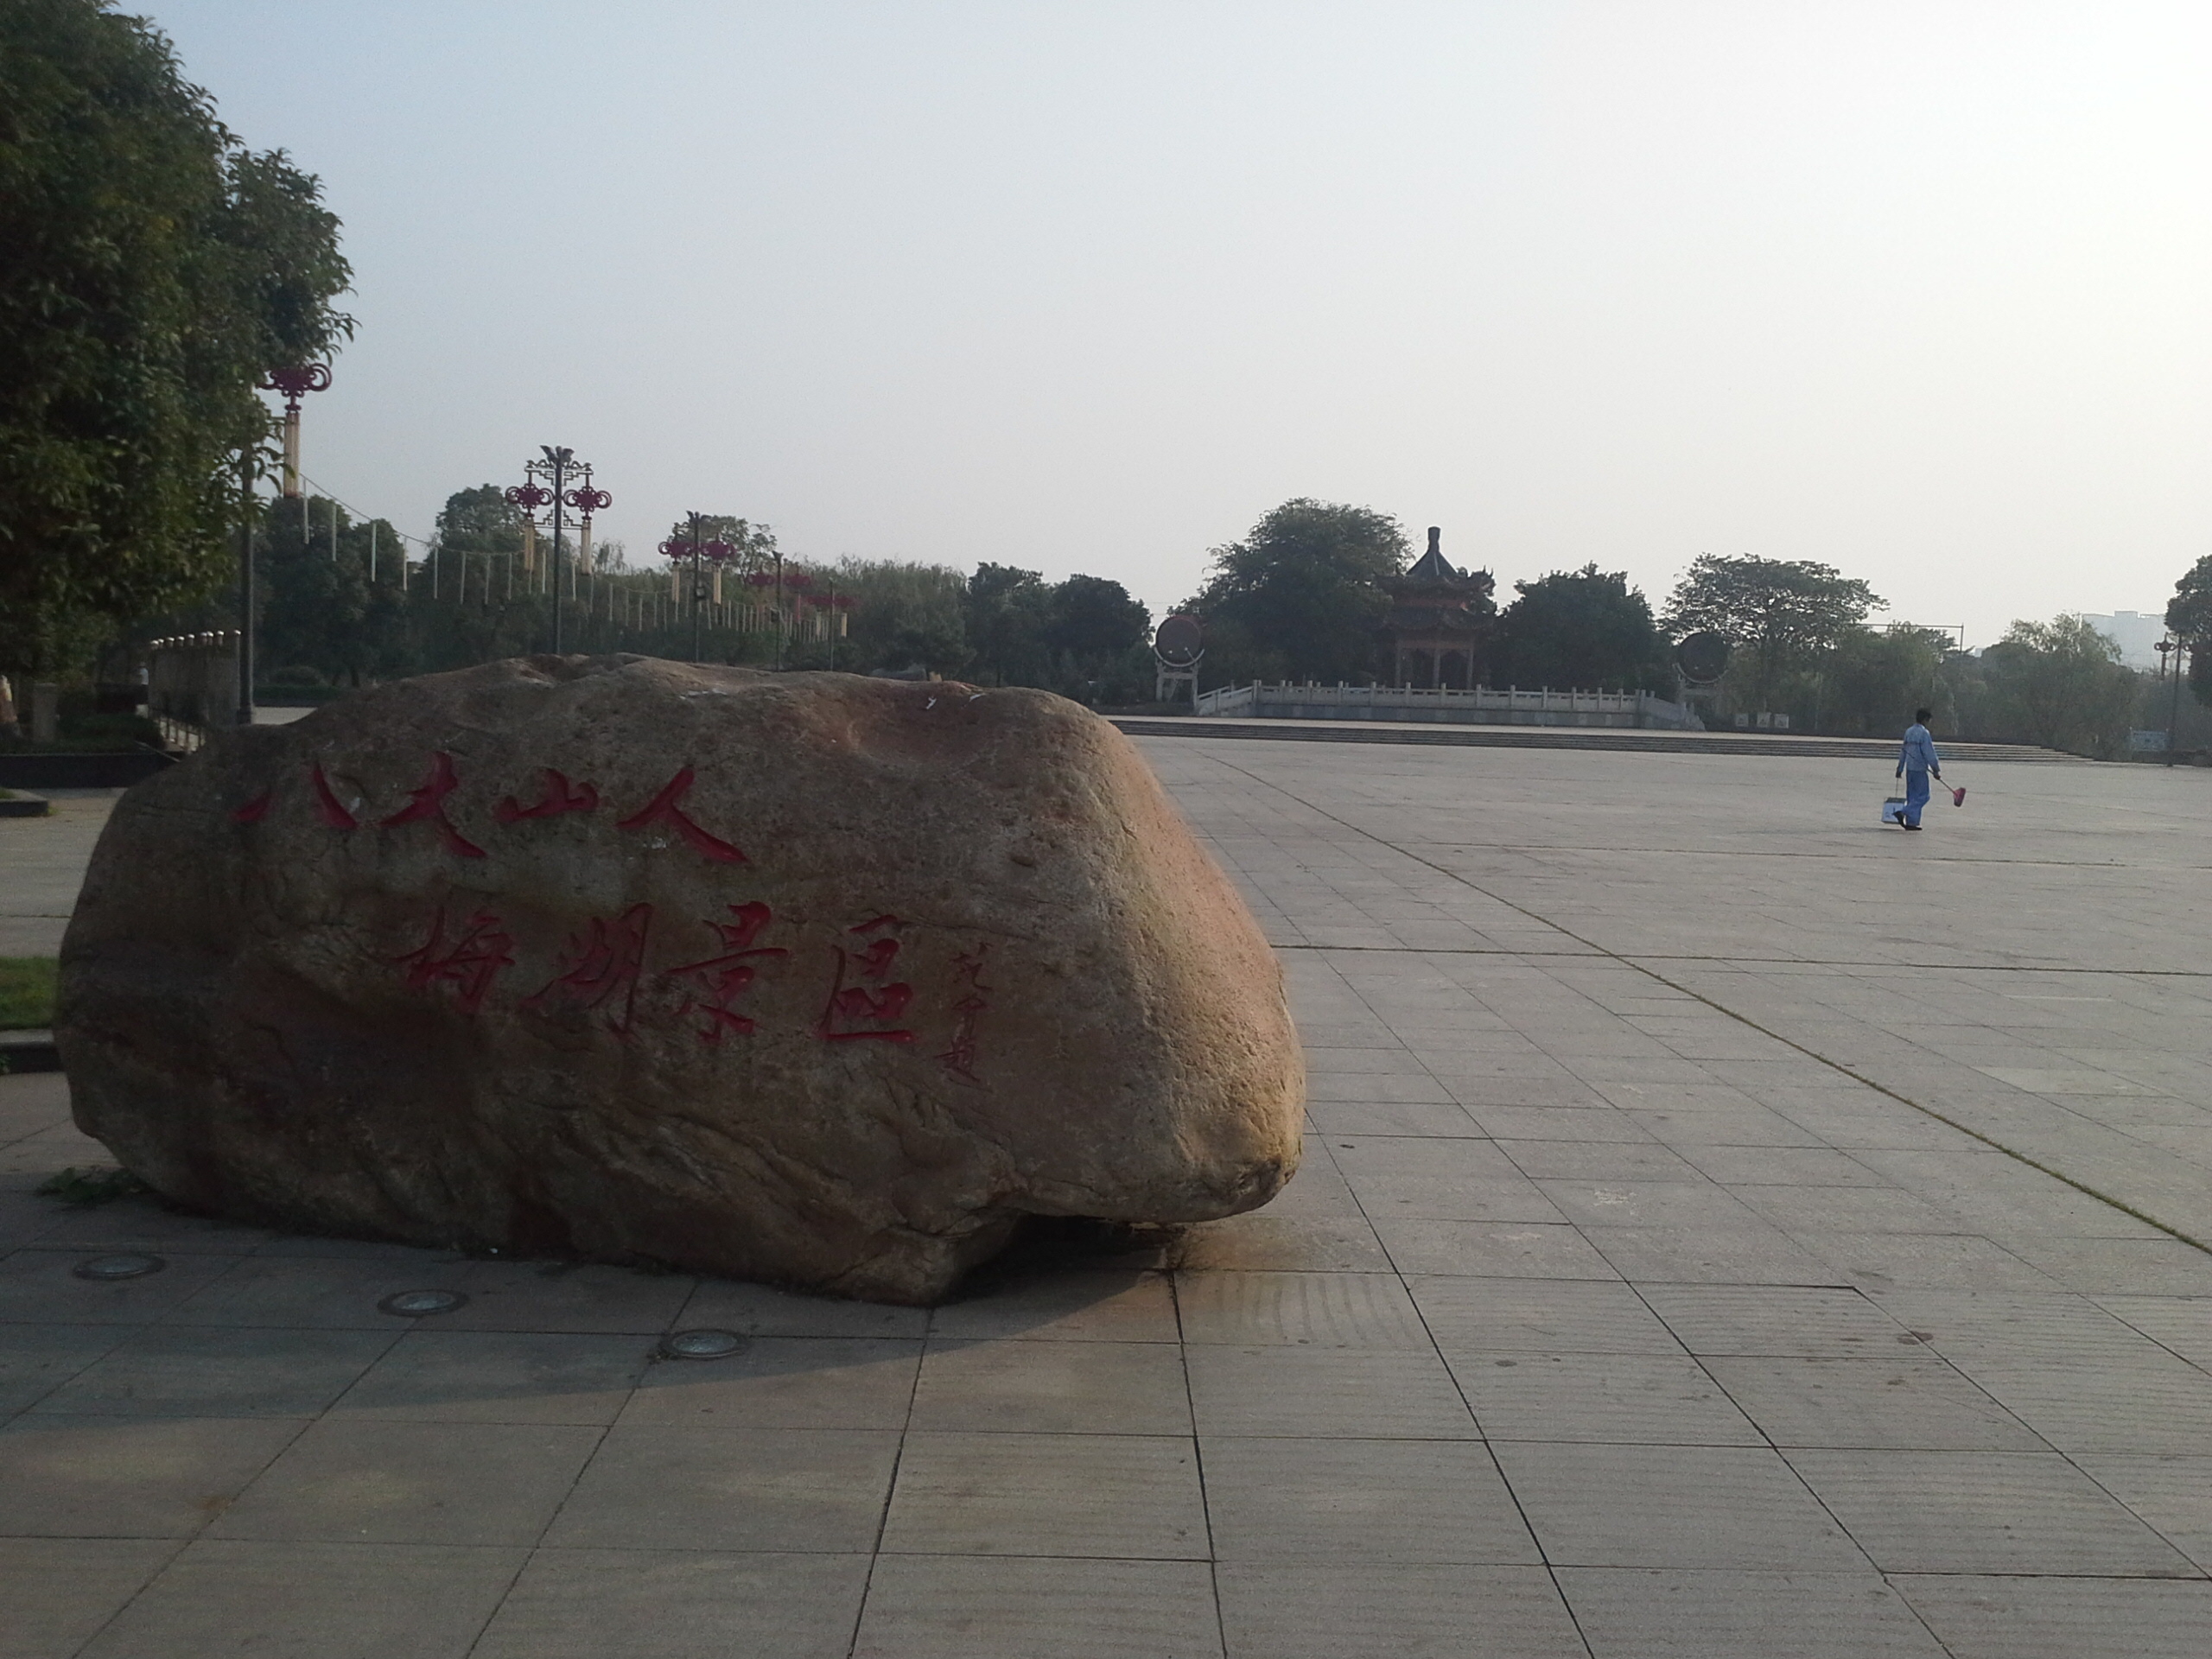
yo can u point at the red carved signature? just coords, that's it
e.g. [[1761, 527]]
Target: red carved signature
[[959, 1060]]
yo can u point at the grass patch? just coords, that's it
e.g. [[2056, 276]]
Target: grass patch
[[90, 1186], [26, 992]]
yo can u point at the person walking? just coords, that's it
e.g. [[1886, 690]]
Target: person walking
[[1916, 762]]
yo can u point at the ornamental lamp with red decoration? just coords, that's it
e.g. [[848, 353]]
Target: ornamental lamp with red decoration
[[295, 383]]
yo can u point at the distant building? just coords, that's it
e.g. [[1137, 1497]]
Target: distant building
[[1439, 618], [2136, 634]]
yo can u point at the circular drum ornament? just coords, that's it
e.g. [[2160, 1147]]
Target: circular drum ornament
[[1702, 656], [1180, 641]]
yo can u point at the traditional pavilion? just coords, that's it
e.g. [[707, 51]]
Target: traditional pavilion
[[1439, 617]]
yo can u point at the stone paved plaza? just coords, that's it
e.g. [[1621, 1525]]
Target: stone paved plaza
[[1723, 1233]]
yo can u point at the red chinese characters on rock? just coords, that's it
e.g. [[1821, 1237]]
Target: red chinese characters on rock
[[600, 966], [470, 963], [561, 796], [717, 982], [865, 1005], [665, 808], [255, 809], [968, 1011], [428, 806], [327, 804]]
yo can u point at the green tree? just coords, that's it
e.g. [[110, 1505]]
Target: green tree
[[1092, 616], [1303, 593], [322, 608], [1781, 611], [151, 271], [1870, 680], [1007, 611], [2060, 684], [2188, 614], [315, 592], [1586, 628], [903, 616]]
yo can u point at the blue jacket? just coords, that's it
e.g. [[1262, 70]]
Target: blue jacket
[[1919, 753]]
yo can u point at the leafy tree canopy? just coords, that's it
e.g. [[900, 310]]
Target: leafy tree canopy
[[2189, 613], [1305, 587], [1873, 679], [1582, 628], [1094, 617], [2064, 681], [480, 520], [1769, 604], [152, 269]]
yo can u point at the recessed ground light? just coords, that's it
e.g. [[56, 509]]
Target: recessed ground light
[[118, 1267], [414, 1304], [701, 1344]]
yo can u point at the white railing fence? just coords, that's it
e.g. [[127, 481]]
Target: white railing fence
[[1288, 700]]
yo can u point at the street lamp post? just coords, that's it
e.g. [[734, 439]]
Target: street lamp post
[[559, 466], [2173, 704], [763, 579], [295, 383], [245, 586], [675, 551], [530, 498], [797, 581], [586, 500], [833, 604]]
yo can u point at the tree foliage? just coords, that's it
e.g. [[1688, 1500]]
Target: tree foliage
[[2061, 684], [2188, 614], [151, 271], [1579, 628], [1780, 610], [1870, 680], [1302, 595], [1084, 637]]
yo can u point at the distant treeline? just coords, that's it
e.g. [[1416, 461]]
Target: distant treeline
[[1303, 596], [345, 602]]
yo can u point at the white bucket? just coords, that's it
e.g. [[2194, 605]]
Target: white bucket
[[1893, 809]]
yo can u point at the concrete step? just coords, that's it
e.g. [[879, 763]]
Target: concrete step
[[28, 1050]]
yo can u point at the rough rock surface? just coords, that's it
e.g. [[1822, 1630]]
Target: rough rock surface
[[806, 977]]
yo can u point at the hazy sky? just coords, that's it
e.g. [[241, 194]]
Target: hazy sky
[[1919, 289]]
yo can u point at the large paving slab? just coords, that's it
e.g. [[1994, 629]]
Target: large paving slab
[[1728, 1228]]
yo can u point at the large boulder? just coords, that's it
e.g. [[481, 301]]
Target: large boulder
[[802, 977]]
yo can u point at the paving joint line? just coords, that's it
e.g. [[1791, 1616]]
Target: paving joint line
[[1756, 962], [1550, 1569], [2120, 1204], [890, 1490]]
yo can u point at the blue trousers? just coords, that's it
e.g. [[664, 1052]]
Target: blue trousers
[[1916, 795]]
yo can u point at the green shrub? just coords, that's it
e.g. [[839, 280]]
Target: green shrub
[[26, 992]]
